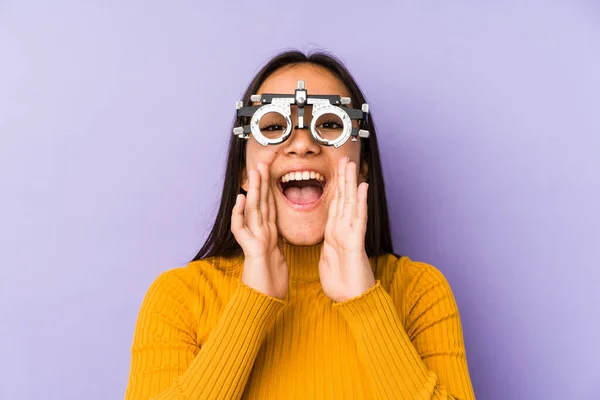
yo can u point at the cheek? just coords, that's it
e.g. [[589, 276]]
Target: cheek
[[349, 149], [256, 153]]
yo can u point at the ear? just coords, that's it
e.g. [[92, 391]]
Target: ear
[[363, 174], [244, 180]]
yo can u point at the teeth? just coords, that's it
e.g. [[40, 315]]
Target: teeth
[[302, 175]]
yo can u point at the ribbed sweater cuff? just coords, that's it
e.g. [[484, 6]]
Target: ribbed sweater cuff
[[252, 311], [383, 345], [223, 365]]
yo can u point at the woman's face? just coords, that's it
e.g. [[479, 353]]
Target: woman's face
[[302, 206]]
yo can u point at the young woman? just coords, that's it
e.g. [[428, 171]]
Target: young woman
[[297, 292]]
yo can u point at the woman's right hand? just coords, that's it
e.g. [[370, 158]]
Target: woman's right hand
[[253, 223]]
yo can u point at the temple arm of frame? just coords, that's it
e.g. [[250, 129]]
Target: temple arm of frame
[[247, 111], [353, 113], [359, 132], [242, 131]]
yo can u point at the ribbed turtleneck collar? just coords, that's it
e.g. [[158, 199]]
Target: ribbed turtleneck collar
[[303, 261]]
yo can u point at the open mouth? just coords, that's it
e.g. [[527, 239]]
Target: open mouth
[[302, 188]]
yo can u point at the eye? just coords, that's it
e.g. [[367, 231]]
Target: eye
[[272, 128], [330, 125]]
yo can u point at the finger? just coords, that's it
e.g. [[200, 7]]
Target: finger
[[341, 184], [272, 210], [334, 204], [264, 191], [362, 208], [237, 219], [331, 218], [252, 210], [350, 192]]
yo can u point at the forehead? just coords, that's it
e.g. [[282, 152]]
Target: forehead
[[317, 80]]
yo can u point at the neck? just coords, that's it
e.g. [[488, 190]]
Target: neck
[[303, 261]]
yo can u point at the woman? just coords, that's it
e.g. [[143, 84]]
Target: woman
[[297, 292]]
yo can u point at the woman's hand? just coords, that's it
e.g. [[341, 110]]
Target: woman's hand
[[253, 223], [344, 266]]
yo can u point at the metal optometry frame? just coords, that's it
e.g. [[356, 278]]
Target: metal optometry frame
[[331, 123]]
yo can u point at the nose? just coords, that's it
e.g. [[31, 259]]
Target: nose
[[301, 143]]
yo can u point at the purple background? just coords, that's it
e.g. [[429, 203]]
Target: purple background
[[114, 121]]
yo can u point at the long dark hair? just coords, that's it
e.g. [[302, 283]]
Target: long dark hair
[[378, 240]]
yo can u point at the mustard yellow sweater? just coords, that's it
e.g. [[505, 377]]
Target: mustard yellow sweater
[[203, 334]]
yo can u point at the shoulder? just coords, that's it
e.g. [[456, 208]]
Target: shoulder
[[419, 276], [217, 266], [408, 278], [194, 279], [197, 270], [417, 288], [405, 270]]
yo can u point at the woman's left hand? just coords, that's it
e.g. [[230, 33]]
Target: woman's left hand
[[344, 266]]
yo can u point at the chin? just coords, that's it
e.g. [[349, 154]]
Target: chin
[[302, 237]]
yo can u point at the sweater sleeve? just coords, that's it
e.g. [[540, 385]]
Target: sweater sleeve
[[168, 363], [426, 360]]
